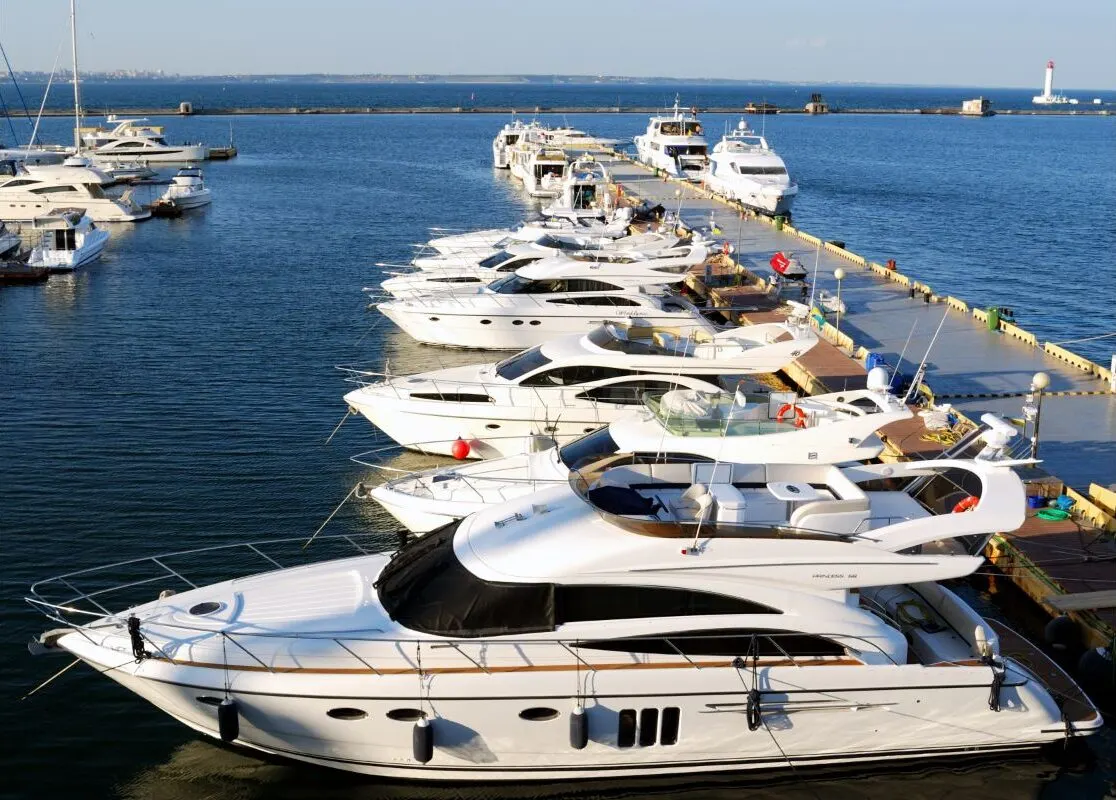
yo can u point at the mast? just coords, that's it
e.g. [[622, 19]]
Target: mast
[[77, 86]]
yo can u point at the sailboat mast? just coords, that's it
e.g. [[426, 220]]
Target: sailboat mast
[[77, 86]]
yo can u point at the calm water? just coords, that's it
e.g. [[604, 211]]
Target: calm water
[[179, 393]]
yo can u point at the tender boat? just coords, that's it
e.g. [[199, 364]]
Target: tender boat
[[647, 251], [137, 139], [187, 189], [788, 267], [541, 301], [649, 619], [743, 167], [729, 427], [674, 144], [567, 386], [69, 240], [35, 190]]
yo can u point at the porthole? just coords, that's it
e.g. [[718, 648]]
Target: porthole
[[517, 322], [435, 319], [486, 322], [406, 714], [208, 700], [538, 714], [208, 607], [535, 322], [492, 426], [347, 714], [588, 430]]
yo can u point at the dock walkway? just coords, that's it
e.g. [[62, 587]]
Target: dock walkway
[[970, 366]]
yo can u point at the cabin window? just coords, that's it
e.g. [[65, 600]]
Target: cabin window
[[570, 376], [20, 182], [455, 280], [588, 603], [495, 259], [452, 397], [426, 588], [588, 448], [746, 170], [628, 393], [521, 363], [725, 642], [55, 189]]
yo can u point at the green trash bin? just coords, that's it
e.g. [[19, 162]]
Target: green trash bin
[[993, 319], [779, 220]]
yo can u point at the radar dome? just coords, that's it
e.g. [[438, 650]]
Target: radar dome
[[878, 379]]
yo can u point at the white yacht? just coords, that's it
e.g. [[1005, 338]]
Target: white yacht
[[69, 240], [569, 385], [541, 301], [586, 192], [505, 139], [577, 140], [35, 190], [674, 258], [10, 242], [542, 170], [728, 427], [674, 144], [137, 139], [743, 167], [650, 619], [187, 189]]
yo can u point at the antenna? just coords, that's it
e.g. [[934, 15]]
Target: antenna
[[77, 85], [922, 365]]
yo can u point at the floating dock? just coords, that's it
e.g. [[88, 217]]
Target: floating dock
[[1067, 566]]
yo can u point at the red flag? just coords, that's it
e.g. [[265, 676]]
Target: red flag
[[779, 262]]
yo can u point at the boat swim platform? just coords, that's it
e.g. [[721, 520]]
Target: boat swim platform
[[971, 367]]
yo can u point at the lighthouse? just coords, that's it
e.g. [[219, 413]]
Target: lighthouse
[[1048, 98]]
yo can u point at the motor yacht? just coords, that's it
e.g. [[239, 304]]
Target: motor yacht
[[731, 427], [542, 170], [10, 242], [505, 139], [69, 239], [569, 385], [675, 258], [586, 192], [541, 301], [648, 619], [743, 167], [577, 140], [187, 189], [137, 139], [674, 144], [35, 190]]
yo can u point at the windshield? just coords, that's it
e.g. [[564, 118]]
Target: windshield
[[588, 448], [496, 259], [521, 363]]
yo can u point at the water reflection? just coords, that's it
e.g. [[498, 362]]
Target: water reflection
[[200, 769]]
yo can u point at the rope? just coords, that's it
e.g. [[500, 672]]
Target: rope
[[1086, 339], [26, 110], [348, 413], [310, 541]]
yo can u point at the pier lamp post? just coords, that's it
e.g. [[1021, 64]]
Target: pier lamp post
[[1038, 383], [839, 274], [678, 211]]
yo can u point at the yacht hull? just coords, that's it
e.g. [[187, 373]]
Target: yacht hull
[[498, 724], [90, 250], [492, 330]]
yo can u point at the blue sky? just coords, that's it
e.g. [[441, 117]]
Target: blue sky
[[973, 43]]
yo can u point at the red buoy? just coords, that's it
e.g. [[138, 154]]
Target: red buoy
[[460, 449]]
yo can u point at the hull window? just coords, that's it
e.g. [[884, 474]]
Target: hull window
[[648, 726], [669, 734], [743, 643], [626, 732]]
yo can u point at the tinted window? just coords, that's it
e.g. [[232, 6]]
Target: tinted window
[[425, 588], [452, 397], [590, 603], [628, 393], [569, 376], [521, 363], [495, 259], [590, 447], [744, 642]]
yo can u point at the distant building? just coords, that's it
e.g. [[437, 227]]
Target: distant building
[[761, 108], [978, 107], [817, 105]]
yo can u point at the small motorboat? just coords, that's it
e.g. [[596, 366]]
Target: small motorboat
[[69, 240], [787, 266], [188, 189], [830, 302]]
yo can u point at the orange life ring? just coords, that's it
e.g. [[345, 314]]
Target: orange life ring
[[799, 415], [967, 504]]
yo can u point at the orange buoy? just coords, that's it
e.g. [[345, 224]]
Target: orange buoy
[[799, 415], [460, 449], [968, 504]]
